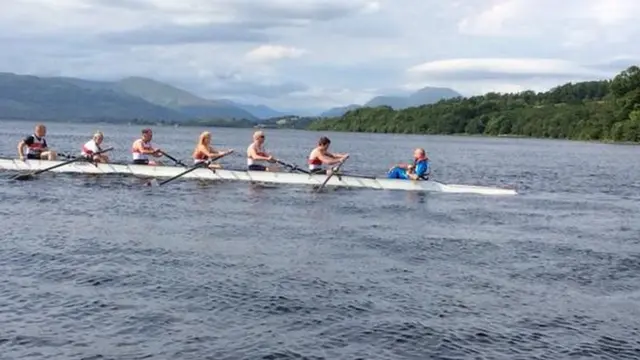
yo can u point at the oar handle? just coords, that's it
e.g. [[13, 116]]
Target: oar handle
[[292, 166]]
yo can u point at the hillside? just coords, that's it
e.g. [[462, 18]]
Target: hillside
[[180, 100], [592, 110], [261, 112], [35, 98], [424, 96], [68, 98]]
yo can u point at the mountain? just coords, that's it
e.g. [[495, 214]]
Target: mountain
[[38, 98], [183, 101], [424, 96], [26, 96], [339, 111], [259, 111], [430, 95]]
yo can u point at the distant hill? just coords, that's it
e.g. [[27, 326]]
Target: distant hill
[[261, 112], [36, 98], [424, 96], [339, 111], [605, 110], [170, 96], [33, 97]]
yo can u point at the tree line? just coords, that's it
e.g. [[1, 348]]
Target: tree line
[[606, 110]]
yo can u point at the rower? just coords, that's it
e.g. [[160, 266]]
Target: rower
[[320, 156], [142, 148], [256, 156], [37, 148], [420, 168], [204, 151], [93, 146]]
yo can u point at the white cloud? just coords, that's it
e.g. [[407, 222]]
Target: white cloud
[[273, 52], [509, 67], [493, 20], [575, 23]]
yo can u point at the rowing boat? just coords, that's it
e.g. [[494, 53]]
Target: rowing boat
[[251, 176]]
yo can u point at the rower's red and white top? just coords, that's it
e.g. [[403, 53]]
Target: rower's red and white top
[[137, 155], [90, 148], [315, 163]]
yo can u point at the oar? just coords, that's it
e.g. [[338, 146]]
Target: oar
[[195, 167], [293, 167], [178, 162], [79, 158], [66, 155], [335, 170]]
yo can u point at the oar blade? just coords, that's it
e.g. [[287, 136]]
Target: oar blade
[[23, 177], [152, 183]]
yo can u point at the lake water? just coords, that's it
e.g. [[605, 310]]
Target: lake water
[[104, 268]]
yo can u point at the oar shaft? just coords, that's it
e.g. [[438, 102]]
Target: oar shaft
[[292, 167], [333, 172], [173, 159]]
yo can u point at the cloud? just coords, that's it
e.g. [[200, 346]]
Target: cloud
[[499, 68], [179, 34], [575, 23], [265, 90], [273, 52], [305, 9]]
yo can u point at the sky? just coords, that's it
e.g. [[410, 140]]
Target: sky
[[317, 54]]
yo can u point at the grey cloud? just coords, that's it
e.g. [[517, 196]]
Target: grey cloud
[[122, 4], [617, 65], [177, 34], [302, 10]]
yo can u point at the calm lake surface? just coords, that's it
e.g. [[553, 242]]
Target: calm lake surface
[[104, 268]]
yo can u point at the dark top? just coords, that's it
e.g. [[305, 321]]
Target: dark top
[[29, 140]]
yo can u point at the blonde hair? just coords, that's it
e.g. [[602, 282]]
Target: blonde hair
[[257, 134], [98, 134], [203, 135]]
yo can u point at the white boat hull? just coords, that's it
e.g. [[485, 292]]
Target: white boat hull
[[251, 176]]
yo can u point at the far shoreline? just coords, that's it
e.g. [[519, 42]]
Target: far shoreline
[[242, 124]]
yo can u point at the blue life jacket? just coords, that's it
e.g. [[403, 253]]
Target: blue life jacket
[[421, 168]]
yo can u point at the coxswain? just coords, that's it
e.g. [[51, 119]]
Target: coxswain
[[419, 169], [321, 157], [142, 148], [204, 151], [91, 147], [36, 144], [256, 156]]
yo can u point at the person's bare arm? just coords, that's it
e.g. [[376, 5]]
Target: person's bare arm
[[254, 155], [329, 159], [21, 146]]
